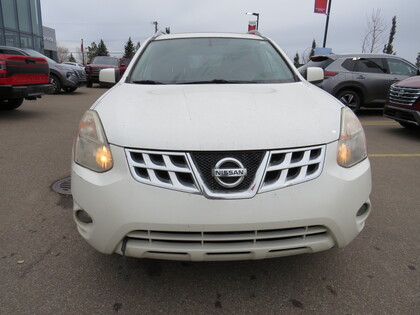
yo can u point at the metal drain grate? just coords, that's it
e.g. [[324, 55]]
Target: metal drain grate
[[63, 186]]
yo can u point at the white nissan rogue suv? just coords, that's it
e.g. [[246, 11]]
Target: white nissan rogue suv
[[213, 147]]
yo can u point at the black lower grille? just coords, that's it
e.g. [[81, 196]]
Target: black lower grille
[[399, 114], [206, 162]]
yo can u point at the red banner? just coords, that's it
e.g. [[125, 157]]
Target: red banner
[[321, 6]]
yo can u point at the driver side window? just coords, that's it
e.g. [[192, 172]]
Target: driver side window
[[400, 68]]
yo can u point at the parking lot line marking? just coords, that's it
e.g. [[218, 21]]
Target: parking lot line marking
[[380, 123], [395, 155]]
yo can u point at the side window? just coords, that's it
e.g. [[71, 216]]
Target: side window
[[400, 67], [373, 65], [12, 52], [349, 64]]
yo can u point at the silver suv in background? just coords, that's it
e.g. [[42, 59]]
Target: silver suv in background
[[62, 76], [360, 79]]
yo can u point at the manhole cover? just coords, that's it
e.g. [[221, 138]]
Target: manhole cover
[[63, 186]]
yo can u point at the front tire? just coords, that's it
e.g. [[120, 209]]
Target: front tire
[[55, 81], [350, 98], [11, 104], [89, 84]]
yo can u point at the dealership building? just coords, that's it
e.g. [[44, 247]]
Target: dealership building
[[21, 26]]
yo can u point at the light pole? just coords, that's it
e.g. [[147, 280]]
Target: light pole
[[156, 26], [82, 49], [255, 14]]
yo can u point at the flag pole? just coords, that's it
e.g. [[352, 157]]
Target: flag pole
[[326, 24]]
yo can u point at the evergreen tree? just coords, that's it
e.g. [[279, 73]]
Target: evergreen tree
[[129, 49], [296, 61], [388, 48], [92, 51], [102, 50], [312, 53], [71, 58], [418, 60], [138, 46]]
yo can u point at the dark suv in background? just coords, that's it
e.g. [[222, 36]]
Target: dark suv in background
[[360, 79], [102, 62], [403, 103]]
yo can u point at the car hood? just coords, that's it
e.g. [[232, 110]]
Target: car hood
[[99, 65], [219, 117], [410, 82]]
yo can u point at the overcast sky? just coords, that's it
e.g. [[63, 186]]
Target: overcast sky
[[290, 23]]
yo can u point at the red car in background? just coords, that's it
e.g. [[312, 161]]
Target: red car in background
[[21, 77], [102, 62], [403, 103], [124, 63]]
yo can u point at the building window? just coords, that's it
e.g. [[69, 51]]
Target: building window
[[9, 14], [26, 41], [24, 16], [38, 43], [2, 37], [35, 17], [12, 38]]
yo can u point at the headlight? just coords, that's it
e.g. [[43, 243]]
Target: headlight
[[352, 142], [91, 148]]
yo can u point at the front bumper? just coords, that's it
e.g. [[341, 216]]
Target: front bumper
[[410, 116], [92, 78], [72, 81], [167, 224]]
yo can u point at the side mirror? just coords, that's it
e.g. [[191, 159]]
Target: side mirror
[[109, 75], [315, 74]]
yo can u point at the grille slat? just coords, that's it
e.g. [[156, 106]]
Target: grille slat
[[163, 169], [298, 166]]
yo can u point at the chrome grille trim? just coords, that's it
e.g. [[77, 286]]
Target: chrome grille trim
[[291, 167], [403, 95], [159, 169], [177, 171]]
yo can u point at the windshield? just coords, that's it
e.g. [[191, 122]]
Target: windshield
[[210, 60], [105, 61], [125, 62]]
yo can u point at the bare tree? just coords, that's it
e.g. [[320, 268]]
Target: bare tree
[[374, 38], [62, 54], [77, 54]]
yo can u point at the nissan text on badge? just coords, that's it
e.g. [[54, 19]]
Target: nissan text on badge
[[214, 147]]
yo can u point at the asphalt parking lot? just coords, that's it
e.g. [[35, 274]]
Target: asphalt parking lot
[[47, 268]]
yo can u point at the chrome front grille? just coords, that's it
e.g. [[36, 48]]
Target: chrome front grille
[[191, 172], [291, 167], [81, 74], [164, 169], [403, 95]]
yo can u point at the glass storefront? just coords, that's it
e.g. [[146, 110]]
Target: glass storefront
[[21, 24]]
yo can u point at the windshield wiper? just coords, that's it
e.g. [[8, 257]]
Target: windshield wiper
[[147, 82], [218, 81]]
